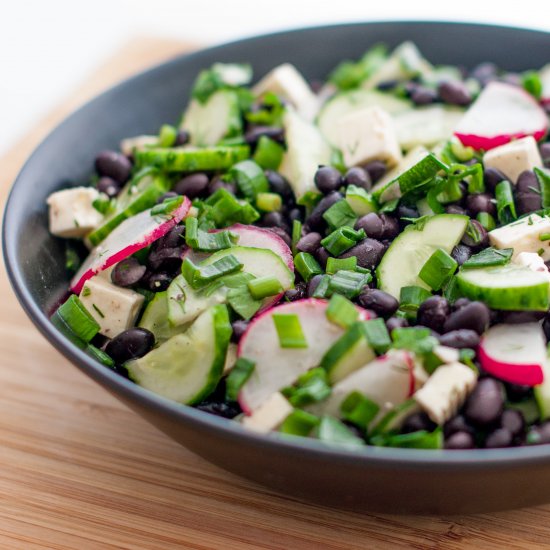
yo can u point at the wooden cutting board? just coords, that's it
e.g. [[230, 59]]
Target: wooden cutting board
[[78, 470]]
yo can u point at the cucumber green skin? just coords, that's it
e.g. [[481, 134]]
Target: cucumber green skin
[[386, 270], [531, 298], [210, 373], [182, 159], [411, 179], [142, 200]]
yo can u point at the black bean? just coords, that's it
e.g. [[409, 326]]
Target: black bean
[[193, 185], [309, 243], [315, 221], [539, 435], [295, 214], [485, 404], [109, 186], [480, 202], [157, 282], [275, 219], [127, 272], [396, 322], [461, 253], [518, 317], [220, 408], [511, 78], [499, 438], [460, 441], [423, 96], [527, 182], [376, 169], [517, 392], [454, 92], [328, 179], [173, 239], [218, 183], [513, 421], [417, 421], [527, 202], [474, 316], [165, 259], [280, 232], [492, 177], [380, 302], [372, 224], [130, 344], [182, 138], [475, 236], [322, 256], [167, 195], [433, 312], [114, 165], [312, 285], [387, 85], [460, 339], [457, 424], [296, 293], [239, 328], [279, 185], [455, 209], [368, 252], [404, 211], [358, 176], [460, 303], [544, 149], [484, 73], [252, 135]]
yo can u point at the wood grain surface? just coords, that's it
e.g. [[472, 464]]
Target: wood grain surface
[[78, 470]]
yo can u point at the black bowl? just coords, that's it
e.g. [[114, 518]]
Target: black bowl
[[374, 479]]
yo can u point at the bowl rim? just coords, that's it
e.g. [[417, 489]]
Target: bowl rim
[[384, 457]]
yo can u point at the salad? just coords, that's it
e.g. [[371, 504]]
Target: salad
[[363, 260]]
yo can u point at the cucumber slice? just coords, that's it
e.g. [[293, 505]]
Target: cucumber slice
[[188, 366], [138, 195], [218, 118], [508, 287], [346, 103], [407, 254], [185, 303], [360, 201], [426, 125], [417, 167], [307, 149], [349, 353], [191, 159], [155, 318]]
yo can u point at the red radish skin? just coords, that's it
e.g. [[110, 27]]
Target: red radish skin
[[98, 261], [287, 308], [412, 384], [484, 127], [525, 374]]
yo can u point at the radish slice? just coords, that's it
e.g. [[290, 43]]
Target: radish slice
[[514, 353], [130, 236], [545, 79], [278, 367], [252, 237], [500, 114], [388, 381]]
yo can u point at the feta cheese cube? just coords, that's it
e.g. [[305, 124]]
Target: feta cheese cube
[[287, 82], [534, 262], [114, 308], [524, 236], [445, 391], [514, 157], [270, 415], [366, 135], [71, 212]]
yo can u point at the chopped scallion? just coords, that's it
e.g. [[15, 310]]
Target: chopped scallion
[[340, 214], [411, 297], [242, 302], [299, 422], [506, 209], [296, 234], [289, 330], [341, 311], [342, 239], [311, 387], [269, 202], [250, 178], [377, 335], [307, 266], [543, 177], [167, 135], [486, 220], [322, 288], [438, 269], [359, 410], [544, 237], [198, 275], [201, 240], [348, 283], [239, 374], [489, 257], [264, 286], [331, 430], [77, 318], [336, 264], [269, 153]]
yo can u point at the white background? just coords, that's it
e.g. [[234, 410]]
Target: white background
[[48, 46]]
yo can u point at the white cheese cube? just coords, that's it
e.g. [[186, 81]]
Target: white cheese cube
[[445, 391], [514, 157], [366, 135], [270, 415], [524, 236], [114, 308], [71, 212], [533, 261], [287, 82]]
